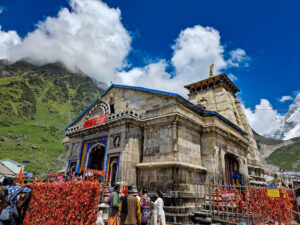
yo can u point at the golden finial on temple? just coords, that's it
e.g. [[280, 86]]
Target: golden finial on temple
[[211, 74]]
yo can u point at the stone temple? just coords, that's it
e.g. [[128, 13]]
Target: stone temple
[[157, 139]]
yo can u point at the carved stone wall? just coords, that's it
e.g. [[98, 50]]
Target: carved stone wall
[[139, 101], [224, 102], [158, 144], [220, 100]]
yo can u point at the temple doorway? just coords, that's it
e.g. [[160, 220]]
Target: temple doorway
[[112, 169], [72, 166], [97, 158], [113, 173], [233, 176]]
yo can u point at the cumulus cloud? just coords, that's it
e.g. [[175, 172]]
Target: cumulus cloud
[[285, 98], [238, 57], [89, 37], [264, 119], [8, 40], [152, 75], [195, 49]]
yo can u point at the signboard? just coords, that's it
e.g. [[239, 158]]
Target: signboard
[[94, 122], [274, 193], [228, 195]]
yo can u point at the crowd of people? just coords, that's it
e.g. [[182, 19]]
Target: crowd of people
[[275, 181], [133, 210], [14, 201]]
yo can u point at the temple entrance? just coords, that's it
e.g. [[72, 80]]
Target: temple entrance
[[96, 159], [112, 169], [233, 176], [72, 166], [113, 173]]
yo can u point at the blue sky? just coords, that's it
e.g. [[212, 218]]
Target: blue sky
[[268, 32]]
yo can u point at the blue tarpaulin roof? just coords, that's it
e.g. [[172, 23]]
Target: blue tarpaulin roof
[[28, 174]]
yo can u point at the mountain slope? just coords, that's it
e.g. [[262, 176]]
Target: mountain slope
[[286, 157], [36, 103], [277, 154]]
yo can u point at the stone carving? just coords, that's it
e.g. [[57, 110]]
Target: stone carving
[[101, 108], [117, 141]]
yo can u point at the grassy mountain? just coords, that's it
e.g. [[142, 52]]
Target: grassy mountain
[[36, 103], [285, 154], [286, 157]]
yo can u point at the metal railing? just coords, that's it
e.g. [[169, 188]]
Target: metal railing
[[230, 204]]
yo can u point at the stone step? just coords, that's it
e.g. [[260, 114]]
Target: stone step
[[197, 219], [178, 218], [202, 214]]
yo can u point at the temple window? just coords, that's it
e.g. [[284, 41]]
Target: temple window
[[112, 108]]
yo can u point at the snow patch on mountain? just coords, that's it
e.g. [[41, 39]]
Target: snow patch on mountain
[[295, 132], [291, 124], [267, 121]]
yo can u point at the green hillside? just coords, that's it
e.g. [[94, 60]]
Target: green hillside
[[36, 104], [287, 157]]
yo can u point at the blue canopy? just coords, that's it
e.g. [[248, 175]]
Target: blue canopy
[[297, 175], [28, 174]]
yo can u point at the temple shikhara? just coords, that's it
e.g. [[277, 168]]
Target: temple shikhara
[[158, 139]]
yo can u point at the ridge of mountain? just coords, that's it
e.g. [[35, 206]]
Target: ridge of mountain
[[290, 127], [276, 154], [36, 103], [286, 157]]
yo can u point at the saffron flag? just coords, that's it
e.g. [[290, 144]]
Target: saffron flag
[[20, 177]]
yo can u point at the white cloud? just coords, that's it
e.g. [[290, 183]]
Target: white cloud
[[194, 50], [90, 37], [238, 57], [285, 98], [264, 119], [8, 40], [153, 75]]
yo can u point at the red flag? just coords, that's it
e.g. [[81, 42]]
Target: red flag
[[20, 177]]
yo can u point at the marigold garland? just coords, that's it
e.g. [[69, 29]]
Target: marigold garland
[[74, 202], [256, 203]]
